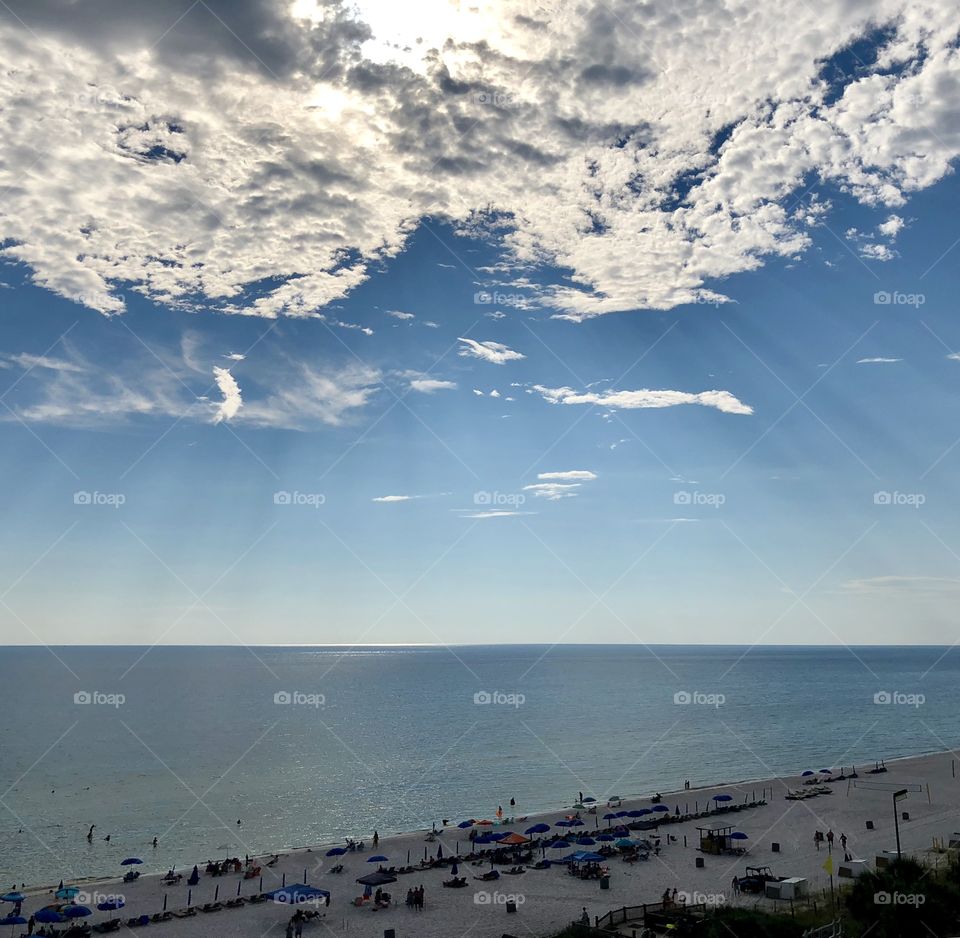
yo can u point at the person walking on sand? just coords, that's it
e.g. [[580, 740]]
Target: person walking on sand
[[830, 839], [843, 841], [816, 840], [736, 886]]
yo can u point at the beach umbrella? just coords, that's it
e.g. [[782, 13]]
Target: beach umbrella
[[131, 861], [514, 839], [379, 858], [625, 842], [559, 845], [440, 852], [589, 800], [337, 852], [485, 839], [77, 911], [48, 916], [537, 829], [463, 825], [67, 892], [576, 822], [585, 841], [13, 920], [739, 835], [112, 905], [609, 817], [826, 771], [623, 814], [660, 807], [807, 772], [636, 813], [564, 823], [644, 811], [13, 897], [376, 879], [454, 869], [723, 797]]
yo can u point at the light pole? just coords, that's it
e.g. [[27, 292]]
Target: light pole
[[897, 797]]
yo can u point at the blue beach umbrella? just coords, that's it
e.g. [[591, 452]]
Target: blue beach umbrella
[[48, 916], [13, 897], [606, 837], [537, 829], [67, 892], [576, 822], [623, 814], [131, 861], [463, 825], [723, 797], [559, 845], [589, 801], [585, 841], [807, 772], [337, 852], [564, 823], [77, 911], [379, 858], [660, 807], [739, 835], [13, 920], [609, 817], [111, 905], [625, 842], [637, 813], [826, 771]]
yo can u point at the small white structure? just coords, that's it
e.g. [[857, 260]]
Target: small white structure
[[851, 869], [791, 888]]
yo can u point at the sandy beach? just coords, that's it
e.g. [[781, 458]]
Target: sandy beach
[[547, 900]]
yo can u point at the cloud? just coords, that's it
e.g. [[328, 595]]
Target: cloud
[[429, 385], [632, 400], [430, 324], [394, 498], [493, 513], [954, 356], [879, 361], [399, 314], [235, 357], [29, 361], [553, 491], [291, 150], [494, 352], [891, 227], [902, 584], [877, 252], [571, 475], [232, 401]]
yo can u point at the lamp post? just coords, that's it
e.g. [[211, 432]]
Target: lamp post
[[897, 797]]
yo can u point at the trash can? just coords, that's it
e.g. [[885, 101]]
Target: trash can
[[389, 933], [511, 907], [869, 825], [699, 863], [604, 882], [775, 847]]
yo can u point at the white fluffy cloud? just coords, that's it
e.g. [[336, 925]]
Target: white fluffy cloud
[[429, 385], [268, 159], [553, 491], [494, 352], [571, 475], [644, 398], [232, 400], [878, 361]]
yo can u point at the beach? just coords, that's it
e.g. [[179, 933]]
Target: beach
[[549, 899]]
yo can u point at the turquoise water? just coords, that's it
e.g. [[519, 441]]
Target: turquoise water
[[397, 740]]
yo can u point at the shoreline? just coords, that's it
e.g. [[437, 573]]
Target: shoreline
[[527, 819]]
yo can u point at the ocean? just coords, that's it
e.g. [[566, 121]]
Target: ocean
[[310, 745]]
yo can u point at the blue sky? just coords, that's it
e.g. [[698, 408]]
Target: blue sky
[[467, 410]]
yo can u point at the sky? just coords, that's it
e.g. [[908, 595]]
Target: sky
[[510, 322]]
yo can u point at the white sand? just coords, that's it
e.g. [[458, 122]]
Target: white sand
[[550, 899]]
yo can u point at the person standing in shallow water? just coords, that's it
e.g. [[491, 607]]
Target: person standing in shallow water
[[376, 838]]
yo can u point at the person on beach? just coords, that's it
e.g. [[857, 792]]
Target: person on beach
[[154, 843], [736, 886], [289, 931], [816, 839], [584, 918], [513, 803], [843, 841], [830, 839], [376, 838], [31, 924]]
